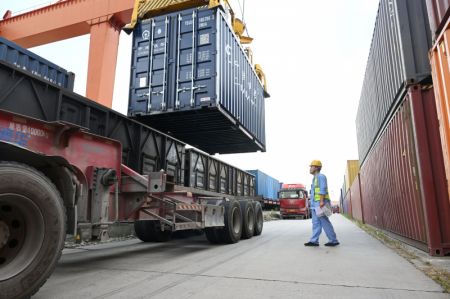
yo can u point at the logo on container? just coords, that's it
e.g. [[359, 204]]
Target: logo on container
[[146, 34]]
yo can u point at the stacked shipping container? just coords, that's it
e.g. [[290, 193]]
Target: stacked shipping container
[[440, 65], [437, 14], [397, 58], [351, 172], [402, 180], [402, 186]]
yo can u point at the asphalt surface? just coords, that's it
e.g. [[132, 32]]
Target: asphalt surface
[[273, 265]]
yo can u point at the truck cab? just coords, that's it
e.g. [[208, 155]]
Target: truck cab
[[293, 200]]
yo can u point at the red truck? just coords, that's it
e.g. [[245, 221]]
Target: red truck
[[293, 200]]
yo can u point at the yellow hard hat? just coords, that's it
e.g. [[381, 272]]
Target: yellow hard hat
[[316, 163]]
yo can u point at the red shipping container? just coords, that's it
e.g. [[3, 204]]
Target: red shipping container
[[403, 178], [348, 204], [355, 191]]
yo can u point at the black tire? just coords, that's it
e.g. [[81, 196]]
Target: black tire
[[33, 221], [212, 236], [248, 219], [150, 231], [232, 231], [259, 219]]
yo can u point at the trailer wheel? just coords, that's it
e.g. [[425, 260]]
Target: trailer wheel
[[232, 231], [259, 219], [248, 219], [212, 235], [32, 229], [150, 231]]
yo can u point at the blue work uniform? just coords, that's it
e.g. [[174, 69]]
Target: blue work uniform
[[320, 222]]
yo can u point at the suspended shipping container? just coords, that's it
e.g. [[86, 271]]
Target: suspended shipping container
[[26, 60], [192, 79], [437, 14], [403, 185], [397, 58], [441, 79], [266, 186]]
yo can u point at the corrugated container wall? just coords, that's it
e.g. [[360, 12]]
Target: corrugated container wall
[[22, 58], [437, 14], [191, 78], [397, 58], [266, 186], [348, 204], [351, 172], [403, 182], [355, 191], [440, 64]]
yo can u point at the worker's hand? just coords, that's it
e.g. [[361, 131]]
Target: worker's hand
[[322, 204]]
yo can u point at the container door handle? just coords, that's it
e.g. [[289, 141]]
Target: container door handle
[[193, 59], [163, 98], [150, 69], [177, 95]]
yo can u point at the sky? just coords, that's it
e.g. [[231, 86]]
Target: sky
[[314, 55]]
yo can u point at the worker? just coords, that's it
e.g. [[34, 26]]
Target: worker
[[320, 198]]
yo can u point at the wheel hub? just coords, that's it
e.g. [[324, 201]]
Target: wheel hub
[[4, 234]]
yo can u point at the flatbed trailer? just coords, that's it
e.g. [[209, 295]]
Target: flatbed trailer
[[69, 166]]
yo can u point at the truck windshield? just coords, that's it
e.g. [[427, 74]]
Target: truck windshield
[[289, 194]]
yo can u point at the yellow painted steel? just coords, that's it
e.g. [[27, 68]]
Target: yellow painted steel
[[351, 173], [262, 77]]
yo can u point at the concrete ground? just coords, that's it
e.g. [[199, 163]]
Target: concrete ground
[[273, 265]]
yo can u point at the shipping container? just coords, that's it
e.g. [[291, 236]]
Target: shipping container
[[397, 58], [192, 79], [438, 13], [207, 173], [441, 78], [26, 60], [356, 202], [144, 149], [351, 172], [348, 204], [266, 186], [403, 179]]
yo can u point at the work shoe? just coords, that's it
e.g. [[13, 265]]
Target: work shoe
[[331, 244], [311, 244]]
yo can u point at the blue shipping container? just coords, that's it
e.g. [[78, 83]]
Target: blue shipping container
[[22, 58], [191, 78], [266, 186]]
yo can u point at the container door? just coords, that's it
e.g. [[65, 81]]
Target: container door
[[150, 73], [195, 70]]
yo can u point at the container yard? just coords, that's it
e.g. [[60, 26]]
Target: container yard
[[178, 162]]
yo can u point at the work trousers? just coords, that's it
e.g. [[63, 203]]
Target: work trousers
[[320, 223]]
